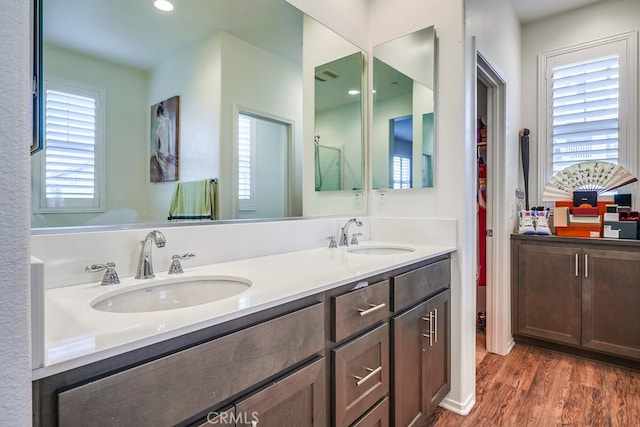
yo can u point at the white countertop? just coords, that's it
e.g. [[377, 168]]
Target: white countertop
[[76, 334]]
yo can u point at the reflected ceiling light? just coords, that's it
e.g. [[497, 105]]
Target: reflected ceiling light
[[353, 92], [163, 5]]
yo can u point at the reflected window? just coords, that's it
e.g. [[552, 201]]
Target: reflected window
[[73, 146], [401, 172], [246, 165]]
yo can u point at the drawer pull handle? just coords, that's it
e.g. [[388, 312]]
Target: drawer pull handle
[[430, 318], [372, 309], [435, 328], [372, 373]]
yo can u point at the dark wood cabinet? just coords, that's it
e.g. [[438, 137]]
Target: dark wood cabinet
[[582, 293], [324, 359], [297, 399], [421, 366], [549, 292], [611, 302]]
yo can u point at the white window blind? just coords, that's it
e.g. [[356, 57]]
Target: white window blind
[[246, 166], [401, 172], [72, 157], [585, 109], [588, 104]]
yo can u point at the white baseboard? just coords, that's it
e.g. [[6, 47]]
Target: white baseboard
[[460, 408]]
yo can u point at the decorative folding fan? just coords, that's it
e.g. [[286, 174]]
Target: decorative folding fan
[[586, 176]]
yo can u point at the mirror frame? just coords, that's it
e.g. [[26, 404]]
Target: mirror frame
[[38, 125]]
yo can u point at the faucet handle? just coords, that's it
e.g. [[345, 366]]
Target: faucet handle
[[332, 242], [110, 275], [354, 238], [176, 266]]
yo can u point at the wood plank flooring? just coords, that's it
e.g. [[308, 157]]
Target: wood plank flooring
[[537, 387]]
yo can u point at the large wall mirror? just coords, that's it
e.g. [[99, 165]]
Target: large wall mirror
[[212, 89], [403, 112]]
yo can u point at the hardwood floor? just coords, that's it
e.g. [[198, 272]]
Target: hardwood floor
[[537, 387]]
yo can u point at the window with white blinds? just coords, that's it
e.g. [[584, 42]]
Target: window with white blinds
[[401, 172], [72, 158], [588, 105], [246, 166], [585, 111]]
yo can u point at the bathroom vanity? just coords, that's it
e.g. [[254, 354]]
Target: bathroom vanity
[[360, 339]]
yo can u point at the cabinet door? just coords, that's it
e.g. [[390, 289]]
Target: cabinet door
[[408, 394], [296, 400], [611, 302], [547, 291], [437, 349]]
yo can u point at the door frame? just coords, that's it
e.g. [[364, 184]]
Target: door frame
[[498, 295], [290, 202]]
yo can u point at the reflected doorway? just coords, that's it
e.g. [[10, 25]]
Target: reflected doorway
[[401, 148], [264, 157]]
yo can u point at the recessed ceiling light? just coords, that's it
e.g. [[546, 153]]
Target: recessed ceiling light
[[353, 92], [163, 5]]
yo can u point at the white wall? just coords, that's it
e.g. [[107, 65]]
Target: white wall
[[613, 17], [15, 137], [194, 74], [126, 129], [259, 82]]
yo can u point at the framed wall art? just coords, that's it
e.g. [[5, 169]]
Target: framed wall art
[[164, 147]]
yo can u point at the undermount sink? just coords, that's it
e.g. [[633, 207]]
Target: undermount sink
[[380, 250], [171, 294]]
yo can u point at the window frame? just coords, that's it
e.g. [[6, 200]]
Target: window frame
[[86, 205], [625, 46]]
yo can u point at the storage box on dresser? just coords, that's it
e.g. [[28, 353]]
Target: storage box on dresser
[[579, 295]]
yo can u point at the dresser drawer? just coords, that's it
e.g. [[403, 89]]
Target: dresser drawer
[[358, 309], [411, 287], [361, 374], [171, 389]]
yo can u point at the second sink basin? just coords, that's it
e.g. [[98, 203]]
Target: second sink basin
[[171, 294], [380, 250]]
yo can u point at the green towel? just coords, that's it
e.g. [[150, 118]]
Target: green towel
[[193, 200]]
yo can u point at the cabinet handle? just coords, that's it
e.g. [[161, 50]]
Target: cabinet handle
[[429, 318], [372, 373], [586, 265], [435, 327], [577, 274], [372, 309]]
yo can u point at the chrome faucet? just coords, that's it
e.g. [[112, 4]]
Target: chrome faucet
[[145, 262], [344, 231]]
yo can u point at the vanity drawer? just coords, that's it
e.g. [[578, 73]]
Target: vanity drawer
[[358, 309], [378, 416], [174, 388], [361, 374], [411, 287]]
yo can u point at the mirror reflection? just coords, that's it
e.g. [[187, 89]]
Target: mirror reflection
[[231, 73], [338, 141], [403, 112]]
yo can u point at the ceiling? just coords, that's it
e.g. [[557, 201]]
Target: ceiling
[[531, 10], [136, 33]]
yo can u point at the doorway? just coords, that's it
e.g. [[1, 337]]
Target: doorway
[[492, 296], [264, 158]]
